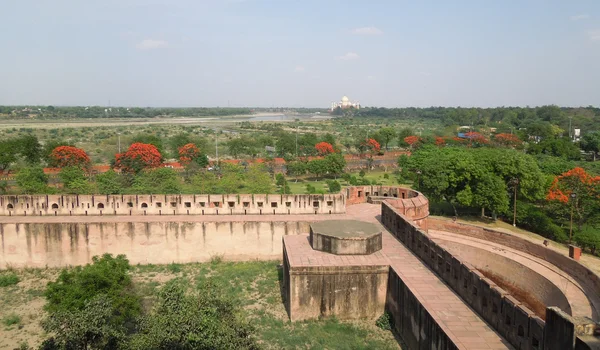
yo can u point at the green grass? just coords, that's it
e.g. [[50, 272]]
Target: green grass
[[8, 279], [11, 319]]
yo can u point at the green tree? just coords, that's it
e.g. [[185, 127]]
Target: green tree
[[334, 186], [8, 154], [336, 163], [590, 142], [87, 328], [49, 146], [160, 180], [29, 148], [74, 180], [258, 180], [151, 140], [296, 169], [557, 147], [206, 182], [318, 167], [109, 183], [108, 276], [387, 135], [201, 320], [32, 180]]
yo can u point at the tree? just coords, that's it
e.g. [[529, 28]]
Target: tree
[[318, 167], [74, 180], [334, 186], [243, 145], [387, 135], [107, 276], [590, 142], [404, 133], [206, 319], [439, 141], [336, 163], [109, 183], [138, 157], [324, 148], [49, 146], [412, 140], [149, 140], [8, 154], [296, 169], [258, 180], [557, 147], [29, 148], [206, 182], [159, 180], [476, 139], [32, 180], [578, 192], [508, 140], [87, 328], [69, 156], [189, 153]]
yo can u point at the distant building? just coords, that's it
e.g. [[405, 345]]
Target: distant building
[[345, 103]]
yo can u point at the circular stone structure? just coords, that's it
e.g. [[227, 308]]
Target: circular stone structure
[[345, 237]]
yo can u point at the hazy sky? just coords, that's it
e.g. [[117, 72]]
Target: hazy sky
[[300, 53]]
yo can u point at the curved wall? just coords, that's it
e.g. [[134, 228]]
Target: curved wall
[[536, 285]]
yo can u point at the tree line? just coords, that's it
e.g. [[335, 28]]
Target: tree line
[[59, 112]]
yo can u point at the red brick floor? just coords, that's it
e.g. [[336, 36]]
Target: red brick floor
[[462, 324]]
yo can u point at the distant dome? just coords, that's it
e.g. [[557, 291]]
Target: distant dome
[[345, 99]]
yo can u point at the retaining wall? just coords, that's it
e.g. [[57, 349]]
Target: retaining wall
[[588, 279]]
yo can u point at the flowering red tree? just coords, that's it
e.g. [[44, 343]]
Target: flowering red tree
[[64, 156], [373, 146], [578, 191], [476, 138], [187, 153], [139, 156], [324, 148], [412, 140], [508, 140], [439, 141]]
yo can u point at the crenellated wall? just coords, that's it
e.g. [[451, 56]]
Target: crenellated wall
[[227, 204]]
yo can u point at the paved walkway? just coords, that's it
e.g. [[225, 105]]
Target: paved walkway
[[581, 305], [461, 323]]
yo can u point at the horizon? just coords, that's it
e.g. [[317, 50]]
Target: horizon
[[241, 53]]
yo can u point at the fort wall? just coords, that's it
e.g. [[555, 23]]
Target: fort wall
[[227, 204], [63, 244]]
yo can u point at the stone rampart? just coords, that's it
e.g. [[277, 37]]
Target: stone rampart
[[226, 204]]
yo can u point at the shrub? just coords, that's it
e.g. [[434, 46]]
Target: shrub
[[534, 219], [105, 276], [8, 279], [385, 321], [362, 173], [11, 319], [334, 186]]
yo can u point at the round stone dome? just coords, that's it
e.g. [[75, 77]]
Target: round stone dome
[[345, 99]]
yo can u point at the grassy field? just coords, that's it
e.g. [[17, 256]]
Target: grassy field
[[255, 285]]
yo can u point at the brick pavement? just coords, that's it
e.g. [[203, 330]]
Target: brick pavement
[[461, 323]]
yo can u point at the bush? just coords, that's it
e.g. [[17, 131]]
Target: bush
[[8, 279], [334, 186], [385, 321], [362, 173], [105, 276], [532, 218]]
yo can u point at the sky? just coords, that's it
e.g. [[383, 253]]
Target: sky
[[305, 53]]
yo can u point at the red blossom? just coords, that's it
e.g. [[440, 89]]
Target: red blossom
[[187, 153], [139, 156], [412, 140], [475, 137], [324, 148], [573, 180], [439, 141], [373, 145], [508, 140], [64, 156]]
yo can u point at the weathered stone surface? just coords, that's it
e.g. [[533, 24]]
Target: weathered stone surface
[[345, 237]]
